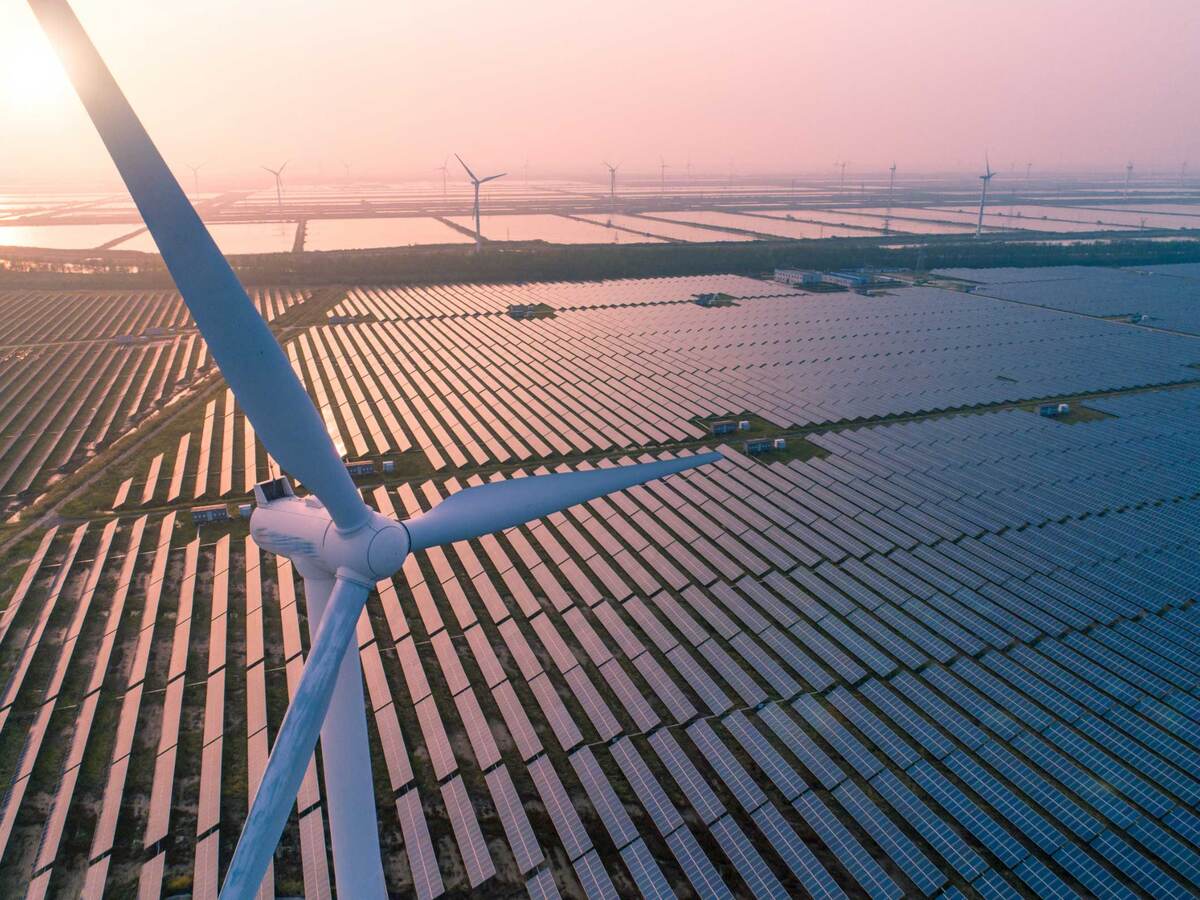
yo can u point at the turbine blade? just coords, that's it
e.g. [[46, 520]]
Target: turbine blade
[[251, 360], [492, 177], [295, 742], [493, 507], [465, 166]]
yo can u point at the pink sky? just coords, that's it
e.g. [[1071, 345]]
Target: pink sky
[[393, 85]]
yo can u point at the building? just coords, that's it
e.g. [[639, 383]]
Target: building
[[850, 280], [218, 512], [759, 445], [521, 310], [388, 465], [797, 276], [1052, 410], [360, 467], [724, 426]]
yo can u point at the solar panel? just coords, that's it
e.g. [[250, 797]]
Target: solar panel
[[699, 870], [749, 864], [422, 862], [471, 845], [903, 852], [796, 855], [594, 877], [681, 769], [929, 825], [513, 819], [849, 852]]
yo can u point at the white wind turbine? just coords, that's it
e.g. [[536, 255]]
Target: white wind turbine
[[340, 546], [196, 178], [612, 183], [477, 182], [887, 222], [442, 169], [984, 180], [278, 173]]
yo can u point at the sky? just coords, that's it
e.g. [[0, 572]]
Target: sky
[[765, 86]]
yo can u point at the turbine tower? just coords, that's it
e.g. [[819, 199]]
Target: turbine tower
[[442, 169], [477, 182], [842, 185], [196, 178], [984, 179], [887, 221], [340, 546], [346, 166], [278, 173], [612, 183], [1128, 176], [662, 175]]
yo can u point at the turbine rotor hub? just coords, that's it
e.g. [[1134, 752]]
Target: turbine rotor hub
[[301, 529]]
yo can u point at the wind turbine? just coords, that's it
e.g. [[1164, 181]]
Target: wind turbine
[[887, 222], [477, 182], [662, 175], [196, 177], [612, 183], [442, 169], [278, 173], [984, 179], [340, 546], [842, 186], [1128, 176], [1183, 173], [346, 166]]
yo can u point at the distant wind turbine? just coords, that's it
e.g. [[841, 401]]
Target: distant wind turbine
[[1128, 176], [984, 179], [477, 182], [612, 183], [662, 175], [346, 166], [842, 185], [442, 169], [887, 221], [340, 546], [1182, 173], [278, 173], [196, 178]]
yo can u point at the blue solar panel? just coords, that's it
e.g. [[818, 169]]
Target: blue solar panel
[[849, 852], [910, 860]]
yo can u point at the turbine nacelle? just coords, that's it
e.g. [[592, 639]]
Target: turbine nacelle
[[301, 530]]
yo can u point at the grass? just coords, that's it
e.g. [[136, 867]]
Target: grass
[[798, 447], [1078, 414]]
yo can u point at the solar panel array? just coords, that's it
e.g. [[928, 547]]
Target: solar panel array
[[476, 389], [950, 654], [1167, 296], [438, 301], [68, 386]]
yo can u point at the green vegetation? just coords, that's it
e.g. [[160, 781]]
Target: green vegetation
[[537, 261]]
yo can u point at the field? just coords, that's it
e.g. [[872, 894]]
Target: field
[[938, 643], [352, 216]]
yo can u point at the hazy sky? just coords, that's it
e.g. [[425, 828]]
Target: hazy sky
[[393, 85]]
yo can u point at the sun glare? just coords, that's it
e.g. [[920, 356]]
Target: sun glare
[[32, 76]]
